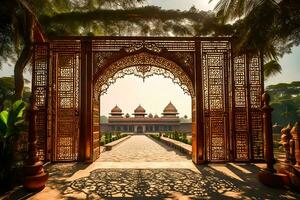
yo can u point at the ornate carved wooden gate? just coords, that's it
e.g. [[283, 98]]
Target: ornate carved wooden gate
[[70, 74]]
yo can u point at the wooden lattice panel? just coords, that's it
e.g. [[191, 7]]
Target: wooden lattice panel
[[215, 66], [40, 78], [241, 134], [231, 92], [96, 129], [67, 120], [138, 43], [194, 129], [66, 46], [255, 84]]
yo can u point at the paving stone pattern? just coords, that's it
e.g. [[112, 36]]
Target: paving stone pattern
[[140, 148]]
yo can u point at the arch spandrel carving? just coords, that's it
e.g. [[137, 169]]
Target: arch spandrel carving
[[143, 65]]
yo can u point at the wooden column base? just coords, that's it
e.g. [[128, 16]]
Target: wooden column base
[[200, 162], [272, 179], [295, 177], [35, 176], [293, 173]]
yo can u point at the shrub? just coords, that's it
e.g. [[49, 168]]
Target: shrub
[[12, 123]]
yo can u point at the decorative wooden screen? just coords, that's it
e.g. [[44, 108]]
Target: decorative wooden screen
[[194, 130], [256, 90], [96, 129], [240, 111], [247, 87], [215, 65], [40, 79], [67, 67], [231, 91]]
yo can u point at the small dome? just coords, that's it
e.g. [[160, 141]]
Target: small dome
[[127, 115], [156, 116], [116, 109], [139, 109], [170, 108], [150, 115]]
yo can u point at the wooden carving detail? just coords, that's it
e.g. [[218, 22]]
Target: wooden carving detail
[[143, 65], [215, 65]]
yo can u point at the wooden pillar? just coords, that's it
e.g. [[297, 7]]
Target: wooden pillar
[[199, 156], [267, 132], [86, 104], [296, 136], [35, 177], [269, 176]]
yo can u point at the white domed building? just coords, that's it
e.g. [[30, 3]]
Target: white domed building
[[141, 122]]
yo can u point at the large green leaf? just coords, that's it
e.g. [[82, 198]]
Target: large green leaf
[[3, 123], [15, 119], [16, 112]]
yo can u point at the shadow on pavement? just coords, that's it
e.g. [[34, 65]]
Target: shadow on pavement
[[213, 181]]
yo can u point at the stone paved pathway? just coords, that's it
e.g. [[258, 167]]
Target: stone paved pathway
[[140, 148], [141, 168]]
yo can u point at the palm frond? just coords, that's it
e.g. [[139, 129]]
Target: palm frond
[[271, 68]]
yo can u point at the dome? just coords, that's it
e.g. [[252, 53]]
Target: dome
[[150, 115], [170, 108], [156, 116], [116, 109], [127, 115], [139, 109]]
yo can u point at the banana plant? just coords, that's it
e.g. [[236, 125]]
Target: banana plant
[[12, 120], [12, 123]]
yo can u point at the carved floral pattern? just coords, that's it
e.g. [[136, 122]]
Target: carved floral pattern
[[139, 45], [143, 65]]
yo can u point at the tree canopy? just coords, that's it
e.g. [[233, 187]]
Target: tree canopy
[[272, 26], [266, 25], [285, 99]]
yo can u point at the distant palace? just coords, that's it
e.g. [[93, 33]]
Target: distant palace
[[143, 123]]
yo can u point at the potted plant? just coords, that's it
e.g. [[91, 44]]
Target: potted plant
[[12, 123]]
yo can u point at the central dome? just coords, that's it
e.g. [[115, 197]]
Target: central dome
[[170, 108], [139, 109]]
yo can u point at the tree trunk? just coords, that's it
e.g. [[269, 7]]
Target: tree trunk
[[19, 69], [25, 56]]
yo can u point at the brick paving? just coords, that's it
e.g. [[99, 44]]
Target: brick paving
[[140, 148]]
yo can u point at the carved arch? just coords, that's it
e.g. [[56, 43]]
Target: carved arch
[[142, 65]]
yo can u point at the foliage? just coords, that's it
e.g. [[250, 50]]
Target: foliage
[[11, 125], [267, 25], [7, 92], [110, 137], [147, 21], [285, 100], [155, 136], [103, 119], [176, 135], [271, 68]]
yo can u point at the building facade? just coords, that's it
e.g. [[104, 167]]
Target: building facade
[[141, 122]]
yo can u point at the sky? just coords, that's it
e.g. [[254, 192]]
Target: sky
[[156, 92]]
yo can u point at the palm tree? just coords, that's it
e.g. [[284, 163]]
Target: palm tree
[[267, 25]]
